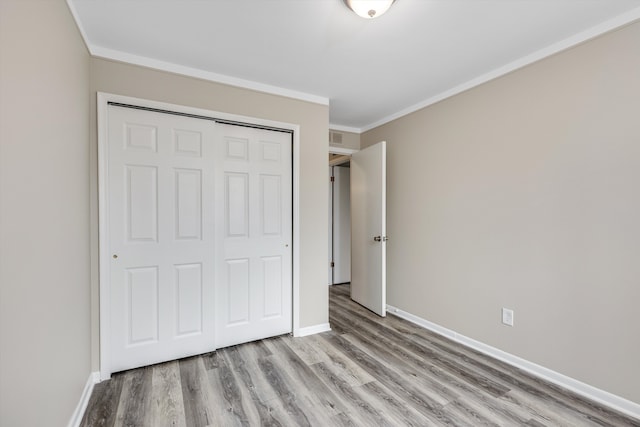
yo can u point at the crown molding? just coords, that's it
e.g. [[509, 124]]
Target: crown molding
[[115, 55], [591, 33], [341, 128]]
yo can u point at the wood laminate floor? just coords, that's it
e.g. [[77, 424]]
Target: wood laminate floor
[[368, 371]]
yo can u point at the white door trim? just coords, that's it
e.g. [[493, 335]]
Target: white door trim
[[103, 209], [340, 150]]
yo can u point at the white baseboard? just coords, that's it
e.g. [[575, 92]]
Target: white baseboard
[[76, 418], [310, 330], [611, 400]]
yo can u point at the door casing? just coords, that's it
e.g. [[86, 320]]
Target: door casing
[[103, 208], [344, 152]]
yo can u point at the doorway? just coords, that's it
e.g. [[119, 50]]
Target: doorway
[[340, 229], [339, 216]]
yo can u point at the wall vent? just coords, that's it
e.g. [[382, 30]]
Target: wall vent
[[335, 137]]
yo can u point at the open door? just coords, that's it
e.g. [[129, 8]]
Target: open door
[[368, 228]]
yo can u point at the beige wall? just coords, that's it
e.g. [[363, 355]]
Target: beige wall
[[349, 140], [131, 80], [44, 214], [524, 193]]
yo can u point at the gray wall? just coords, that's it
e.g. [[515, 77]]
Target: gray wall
[[131, 80], [524, 193], [44, 214]]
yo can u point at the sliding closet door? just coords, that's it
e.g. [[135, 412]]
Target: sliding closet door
[[254, 228], [199, 233], [160, 172]]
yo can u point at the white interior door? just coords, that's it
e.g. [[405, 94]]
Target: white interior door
[[160, 239], [368, 228], [253, 185], [341, 225]]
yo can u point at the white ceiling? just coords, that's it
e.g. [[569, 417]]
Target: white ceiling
[[369, 70]]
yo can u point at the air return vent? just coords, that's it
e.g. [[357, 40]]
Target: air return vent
[[335, 137]]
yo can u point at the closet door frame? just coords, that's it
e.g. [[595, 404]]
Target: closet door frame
[[103, 100]]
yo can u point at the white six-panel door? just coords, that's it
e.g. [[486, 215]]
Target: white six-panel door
[[199, 236], [162, 250], [254, 267]]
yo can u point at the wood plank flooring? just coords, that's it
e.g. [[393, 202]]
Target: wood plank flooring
[[368, 371]]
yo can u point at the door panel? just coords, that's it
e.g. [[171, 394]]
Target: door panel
[[188, 287], [236, 204], [271, 205], [188, 204], [254, 292], [368, 228], [141, 203], [142, 305], [162, 252], [238, 295], [272, 276]]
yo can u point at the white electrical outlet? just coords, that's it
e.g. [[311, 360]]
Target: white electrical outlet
[[507, 317]]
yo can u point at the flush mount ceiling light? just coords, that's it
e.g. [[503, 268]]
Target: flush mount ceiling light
[[369, 9]]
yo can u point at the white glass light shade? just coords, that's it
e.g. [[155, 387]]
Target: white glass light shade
[[369, 9]]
